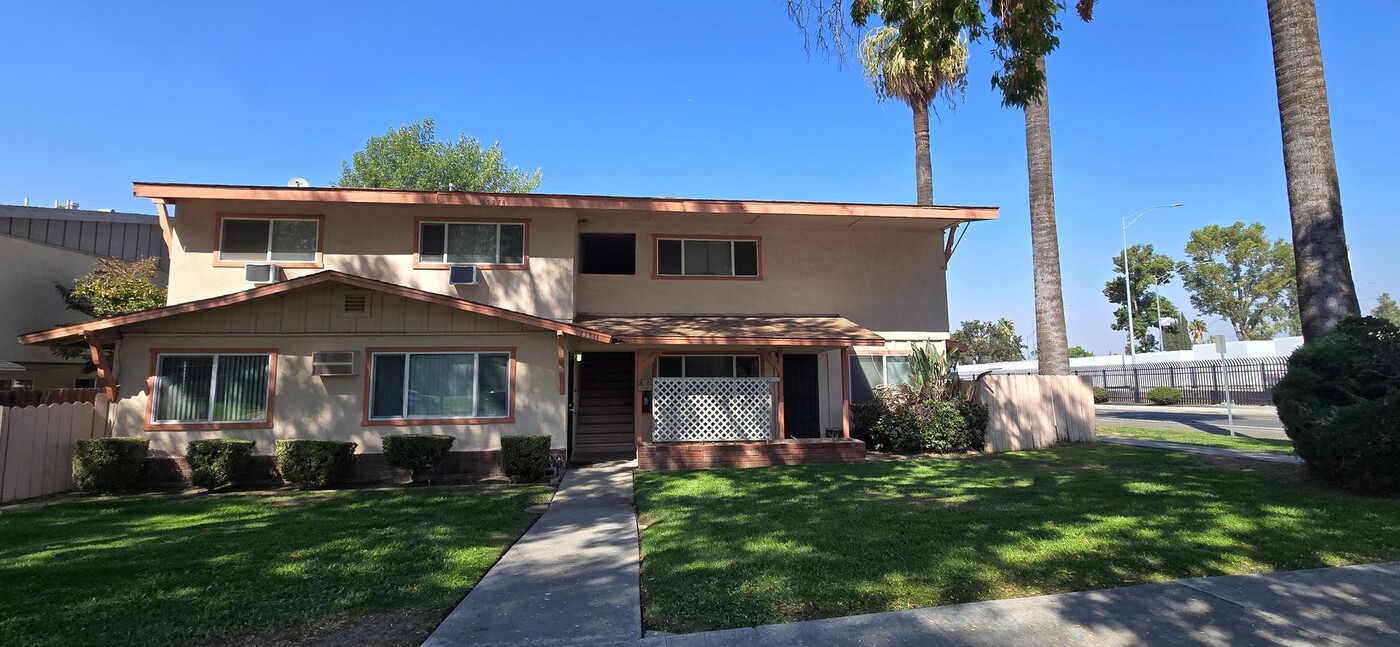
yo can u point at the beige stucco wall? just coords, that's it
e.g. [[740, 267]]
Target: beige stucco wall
[[884, 276], [305, 406], [377, 241]]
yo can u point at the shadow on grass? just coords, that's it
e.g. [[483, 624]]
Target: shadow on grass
[[196, 569], [731, 548]]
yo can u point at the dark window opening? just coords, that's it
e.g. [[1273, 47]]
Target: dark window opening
[[607, 253]]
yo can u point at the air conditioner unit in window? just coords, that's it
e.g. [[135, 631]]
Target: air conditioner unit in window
[[463, 275], [260, 273], [331, 363]]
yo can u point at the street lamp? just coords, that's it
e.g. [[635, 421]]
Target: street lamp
[[1127, 280]]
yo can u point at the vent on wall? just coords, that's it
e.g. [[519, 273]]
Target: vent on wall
[[354, 303], [329, 363]]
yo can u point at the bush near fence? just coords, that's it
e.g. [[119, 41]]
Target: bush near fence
[[1251, 380]]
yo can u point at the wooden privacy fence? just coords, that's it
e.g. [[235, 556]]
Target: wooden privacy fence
[[36, 445], [1033, 411], [29, 398]]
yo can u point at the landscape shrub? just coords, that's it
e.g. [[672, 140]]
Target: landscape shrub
[[1164, 395], [109, 464], [1100, 395], [217, 462], [864, 417], [313, 463], [911, 421], [1340, 404], [420, 454], [525, 459]]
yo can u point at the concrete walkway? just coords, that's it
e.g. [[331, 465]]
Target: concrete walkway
[[1287, 459], [1355, 605], [573, 578]]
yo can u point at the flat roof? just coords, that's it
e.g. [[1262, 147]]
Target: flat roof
[[173, 192]]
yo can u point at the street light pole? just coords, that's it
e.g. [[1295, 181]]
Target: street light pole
[[1127, 278]]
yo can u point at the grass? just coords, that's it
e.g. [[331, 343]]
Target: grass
[[1201, 438], [742, 547], [249, 568]]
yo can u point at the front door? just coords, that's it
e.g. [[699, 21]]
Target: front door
[[801, 397]]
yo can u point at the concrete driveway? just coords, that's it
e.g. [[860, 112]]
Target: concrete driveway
[[1254, 422]]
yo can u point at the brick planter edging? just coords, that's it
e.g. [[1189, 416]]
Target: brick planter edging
[[711, 455]]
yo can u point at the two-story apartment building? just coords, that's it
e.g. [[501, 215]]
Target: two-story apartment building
[[620, 326]]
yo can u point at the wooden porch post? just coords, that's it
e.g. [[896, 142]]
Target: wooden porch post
[[846, 392], [563, 364], [104, 370], [774, 358], [644, 360]]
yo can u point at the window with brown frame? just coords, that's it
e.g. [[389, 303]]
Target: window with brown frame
[[707, 257]]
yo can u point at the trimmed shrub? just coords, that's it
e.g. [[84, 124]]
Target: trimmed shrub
[[911, 423], [525, 459], [864, 417], [420, 454], [109, 464], [1100, 395], [1340, 404], [1164, 395], [313, 463], [217, 462]]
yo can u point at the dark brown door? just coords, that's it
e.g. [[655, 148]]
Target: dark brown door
[[801, 398]]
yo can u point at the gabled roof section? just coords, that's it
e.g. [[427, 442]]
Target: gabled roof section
[[734, 330], [176, 192], [73, 332]]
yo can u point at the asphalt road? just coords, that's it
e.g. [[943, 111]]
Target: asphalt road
[[1254, 422]]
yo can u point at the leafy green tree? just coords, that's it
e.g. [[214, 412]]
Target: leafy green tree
[[115, 287], [1149, 268], [1386, 309], [410, 158], [1327, 293], [1235, 273], [1079, 351], [895, 76], [981, 342]]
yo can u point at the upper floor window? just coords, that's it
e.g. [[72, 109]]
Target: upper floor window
[[708, 366], [607, 253], [212, 388], [260, 240], [869, 372], [481, 243], [707, 257]]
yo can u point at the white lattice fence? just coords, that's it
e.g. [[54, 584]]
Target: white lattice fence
[[696, 409]]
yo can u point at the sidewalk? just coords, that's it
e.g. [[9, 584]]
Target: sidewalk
[[573, 578], [1355, 605], [1287, 459]]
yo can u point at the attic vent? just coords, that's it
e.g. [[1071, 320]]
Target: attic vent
[[355, 303], [333, 362]]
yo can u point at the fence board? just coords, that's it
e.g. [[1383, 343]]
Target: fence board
[[37, 442], [1032, 411]]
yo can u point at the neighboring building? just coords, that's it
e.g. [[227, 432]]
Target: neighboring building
[[39, 247], [619, 326], [1252, 349]]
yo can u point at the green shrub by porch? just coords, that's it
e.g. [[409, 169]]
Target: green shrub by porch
[[1100, 395], [525, 459], [109, 464], [313, 463], [420, 454], [1340, 404], [217, 462], [905, 420], [1164, 395]]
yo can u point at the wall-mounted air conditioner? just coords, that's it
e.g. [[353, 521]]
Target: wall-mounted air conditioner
[[260, 273], [331, 363], [463, 275]]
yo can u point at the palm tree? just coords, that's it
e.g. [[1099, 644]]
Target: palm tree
[[1326, 292], [895, 76], [1052, 342], [1198, 331]]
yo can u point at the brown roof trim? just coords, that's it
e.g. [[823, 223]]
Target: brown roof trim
[[327, 276], [831, 342], [173, 192]]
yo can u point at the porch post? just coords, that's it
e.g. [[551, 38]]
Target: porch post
[[782, 424], [563, 363], [644, 360], [104, 370], [846, 392]]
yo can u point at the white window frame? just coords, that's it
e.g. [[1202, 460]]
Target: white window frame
[[447, 231], [267, 255], [476, 382], [758, 262], [213, 389], [733, 363]]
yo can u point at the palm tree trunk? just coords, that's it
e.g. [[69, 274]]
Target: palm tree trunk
[[1051, 341], [923, 158], [1326, 292]]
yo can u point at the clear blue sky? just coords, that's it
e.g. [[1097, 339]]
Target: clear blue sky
[[1154, 102]]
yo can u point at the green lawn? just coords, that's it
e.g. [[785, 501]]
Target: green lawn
[[1201, 438], [741, 547], [386, 565]]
